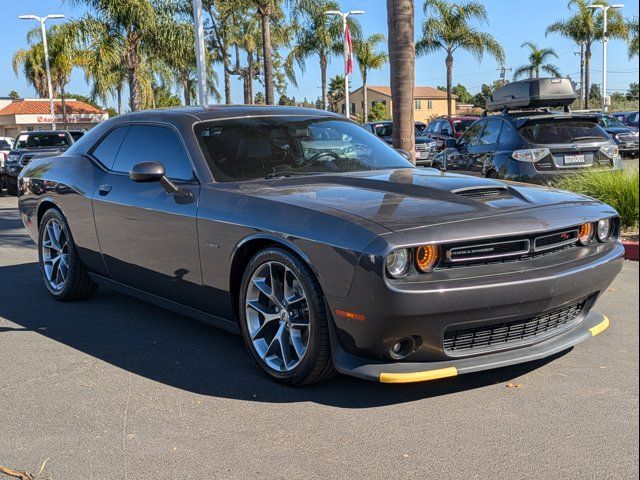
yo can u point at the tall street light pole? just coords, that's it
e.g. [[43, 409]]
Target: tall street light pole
[[43, 32], [346, 53], [200, 52], [605, 39]]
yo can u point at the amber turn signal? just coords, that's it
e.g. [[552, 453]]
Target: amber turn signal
[[427, 257], [585, 234]]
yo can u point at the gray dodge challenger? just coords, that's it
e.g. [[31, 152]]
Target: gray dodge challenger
[[320, 244]]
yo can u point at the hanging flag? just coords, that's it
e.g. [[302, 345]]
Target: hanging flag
[[348, 50]]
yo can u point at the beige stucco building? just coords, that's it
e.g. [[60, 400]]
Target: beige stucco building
[[428, 102], [35, 114]]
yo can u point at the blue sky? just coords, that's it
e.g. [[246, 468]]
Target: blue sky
[[511, 21]]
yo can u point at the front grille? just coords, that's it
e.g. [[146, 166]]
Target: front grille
[[488, 251], [481, 192], [555, 240], [422, 147], [26, 159], [499, 335]]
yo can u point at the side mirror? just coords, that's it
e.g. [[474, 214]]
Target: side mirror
[[405, 154], [147, 172], [450, 143]]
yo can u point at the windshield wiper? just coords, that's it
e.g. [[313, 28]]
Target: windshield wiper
[[291, 174], [587, 137]]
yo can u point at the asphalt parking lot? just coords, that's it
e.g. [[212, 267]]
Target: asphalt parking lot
[[113, 388]]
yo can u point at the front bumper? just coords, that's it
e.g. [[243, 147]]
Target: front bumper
[[470, 297], [590, 326]]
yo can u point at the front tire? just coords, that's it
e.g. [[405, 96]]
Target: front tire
[[62, 272], [12, 187], [283, 319]]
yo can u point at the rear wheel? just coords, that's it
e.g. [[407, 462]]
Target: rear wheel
[[12, 187], [283, 319], [62, 272]]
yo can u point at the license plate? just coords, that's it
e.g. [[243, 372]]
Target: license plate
[[574, 159], [422, 155], [630, 144]]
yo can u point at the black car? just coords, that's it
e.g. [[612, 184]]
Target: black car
[[628, 118], [30, 145], [533, 144], [319, 243], [625, 136], [426, 148]]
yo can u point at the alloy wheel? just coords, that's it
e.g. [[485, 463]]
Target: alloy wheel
[[277, 316], [55, 255]]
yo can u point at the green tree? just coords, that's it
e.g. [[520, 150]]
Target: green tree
[[480, 98], [259, 98], [317, 34], [127, 34], [594, 92], [632, 27], [447, 27], [632, 93], [13, 95], [336, 92], [379, 112], [401, 47], [462, 93], [368, 59], [585, 27], [164, 97], [538, 61]]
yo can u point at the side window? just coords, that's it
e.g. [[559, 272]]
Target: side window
[[472, 134], [506, 133], [107, 149], [145, 143], [491, 132], [446, 128], [436, 127]]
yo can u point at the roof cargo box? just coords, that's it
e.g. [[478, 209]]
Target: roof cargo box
[[533, 93]]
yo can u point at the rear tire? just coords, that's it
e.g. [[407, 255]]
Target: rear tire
[[283, 319], [63, 274], [12, 188]]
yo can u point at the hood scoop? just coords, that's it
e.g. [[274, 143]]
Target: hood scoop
[[482, 192]]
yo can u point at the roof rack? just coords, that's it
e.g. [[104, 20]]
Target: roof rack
[[531, 94]]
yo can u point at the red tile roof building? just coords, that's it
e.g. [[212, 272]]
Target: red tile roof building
[[35, 114]]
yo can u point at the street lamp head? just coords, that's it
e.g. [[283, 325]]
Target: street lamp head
[[332, 12], [29, 17], [356, 12], [617, 5], [55, 16]]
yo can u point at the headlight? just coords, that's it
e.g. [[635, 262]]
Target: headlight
[[530, 154], [397, 263], [603, 230], [610, 151], [13, 158], [585, 234], [427, 257]]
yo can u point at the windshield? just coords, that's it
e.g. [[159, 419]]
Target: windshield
[[254, 148], [4, 145], [553, 131], [608, 121], [42, 140], [462, 125]]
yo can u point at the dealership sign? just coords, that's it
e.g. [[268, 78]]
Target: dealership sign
[[71, 118]]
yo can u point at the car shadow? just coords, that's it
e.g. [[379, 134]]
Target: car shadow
[[185, 354], [12, 230]]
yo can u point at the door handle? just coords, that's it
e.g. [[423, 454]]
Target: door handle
[[104, 190]]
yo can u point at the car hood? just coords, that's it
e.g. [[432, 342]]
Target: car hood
[[615, 130], [410, 198], [39, 150]]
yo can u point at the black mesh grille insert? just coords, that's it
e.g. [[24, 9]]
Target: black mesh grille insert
[[497, 335], [482, 192]]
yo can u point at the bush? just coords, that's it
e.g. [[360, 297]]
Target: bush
[[379, 112], [616, 188]]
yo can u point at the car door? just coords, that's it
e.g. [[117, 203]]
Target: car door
[[148, 237], [486, 146], [466, 150]]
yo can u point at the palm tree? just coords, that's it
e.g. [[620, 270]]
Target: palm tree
[[400, 22], [368, 59], [537, 62], [448, 29], [266, 10], [124, 32], [632, 27], [585, 27], [62, 58], [317, 34]]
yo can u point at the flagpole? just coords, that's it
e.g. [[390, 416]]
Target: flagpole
[[346, 54]]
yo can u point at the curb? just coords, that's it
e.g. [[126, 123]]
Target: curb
[[630, 250]]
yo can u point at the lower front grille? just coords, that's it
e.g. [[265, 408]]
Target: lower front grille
[[501, 335]]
